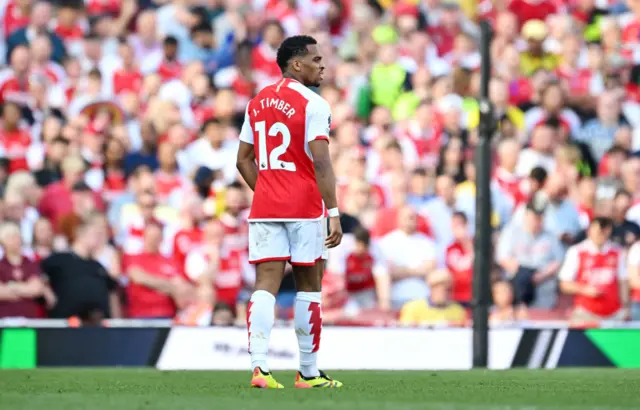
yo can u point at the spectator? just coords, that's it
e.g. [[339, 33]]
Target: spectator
[[105, 253], [540, 152], [20, 282], [505, 174], [594, 272], [14, 138], [49, 169], [156, 288], [140, 180], [218, 271], [439, 309], [531, 257], [599, 133], [410, 257], [16, 211], [634, 280], [561, 217], [83, 206], [535, 58], [440, 210], [459, 259], [625, 232], [39, 20], [43, 240], [234, 218], [57, 200], [81, 285], [503, 311], [367, 281], [210, 150]]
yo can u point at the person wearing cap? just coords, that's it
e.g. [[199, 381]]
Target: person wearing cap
[[438, 308], [535, 58], [531, 257]]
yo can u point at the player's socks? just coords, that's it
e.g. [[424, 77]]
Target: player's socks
[[260, 318], [308, 323]]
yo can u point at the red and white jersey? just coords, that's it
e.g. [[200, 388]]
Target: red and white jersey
[[233, 271], [127, 80], [184, 242], [236, 232], [511, 185], [265, 65], [633, 259], [602, 268], [52, 71], [132, 239], [459, 262], [14, 145], [585, 214], [13, 19], [167, 183], [280, 122], [14, 89]]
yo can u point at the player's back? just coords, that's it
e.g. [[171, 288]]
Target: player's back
[[284, 118]]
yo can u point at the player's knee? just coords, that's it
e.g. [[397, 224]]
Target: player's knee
[[307, 279]]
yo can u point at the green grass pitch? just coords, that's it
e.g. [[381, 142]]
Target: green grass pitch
[[124, 389]]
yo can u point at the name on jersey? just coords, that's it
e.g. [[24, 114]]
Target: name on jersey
[[278, 104]]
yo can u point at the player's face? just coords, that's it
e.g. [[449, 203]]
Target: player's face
[[312, 67]]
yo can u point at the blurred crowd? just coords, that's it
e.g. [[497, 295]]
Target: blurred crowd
[[118, 135]]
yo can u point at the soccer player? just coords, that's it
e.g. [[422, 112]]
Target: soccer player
[[284, 157]]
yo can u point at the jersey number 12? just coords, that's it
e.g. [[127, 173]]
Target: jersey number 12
[[272, 160]]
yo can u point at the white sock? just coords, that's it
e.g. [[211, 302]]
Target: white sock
[[308, 322], [260, 319]]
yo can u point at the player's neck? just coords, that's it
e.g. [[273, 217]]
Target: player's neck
[[290, 76]]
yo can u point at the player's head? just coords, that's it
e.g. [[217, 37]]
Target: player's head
[[300, 57]]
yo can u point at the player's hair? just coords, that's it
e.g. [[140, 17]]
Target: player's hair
[[202, 27], [208, 122], [617, 149], [602, 222], [361, 235], [622, 192], [235, 185], [461, 215], [170, 41], [420, 172], [539, 174], [95, 74], [291, 47]]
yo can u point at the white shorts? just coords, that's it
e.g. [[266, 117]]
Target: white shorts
[[325, 233], [299, 242]]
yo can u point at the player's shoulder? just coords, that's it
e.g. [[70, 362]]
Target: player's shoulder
[[315, 102]]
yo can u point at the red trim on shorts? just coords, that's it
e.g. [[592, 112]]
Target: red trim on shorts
[[305, 263], [277, 259]]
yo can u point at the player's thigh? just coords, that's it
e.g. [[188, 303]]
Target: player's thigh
[[305, 242], [269, 251], [268, 241]]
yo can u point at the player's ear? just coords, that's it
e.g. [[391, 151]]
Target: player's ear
[[296, 65]]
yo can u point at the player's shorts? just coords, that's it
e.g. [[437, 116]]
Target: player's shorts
[[299, 242], [325, 233]]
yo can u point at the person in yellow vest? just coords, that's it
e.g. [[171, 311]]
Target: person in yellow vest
[[535, 58], [438, 309], [388, 79]]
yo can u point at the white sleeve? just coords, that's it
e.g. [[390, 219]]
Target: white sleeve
[[246, 133], [569, 269], [429, 250], [633, 257], [622, 266], [195, 265], [379, 264], [318, 119]]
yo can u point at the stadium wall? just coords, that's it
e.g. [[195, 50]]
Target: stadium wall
[[343, 348]]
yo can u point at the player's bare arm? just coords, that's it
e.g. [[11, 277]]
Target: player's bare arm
[[326, 180], [246, 164]]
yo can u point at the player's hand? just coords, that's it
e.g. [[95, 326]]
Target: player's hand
[[591, 291], [335, 233]]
